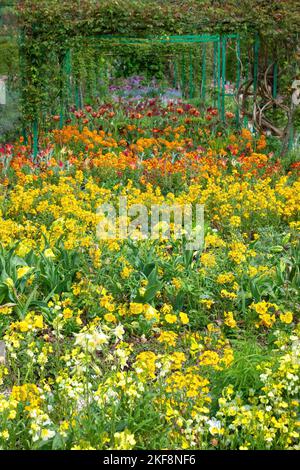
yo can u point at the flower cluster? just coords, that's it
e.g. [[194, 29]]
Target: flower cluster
[[131, 343]]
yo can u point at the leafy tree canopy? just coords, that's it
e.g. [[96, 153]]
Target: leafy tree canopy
[[65, 18]]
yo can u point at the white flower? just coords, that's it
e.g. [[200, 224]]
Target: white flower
[[47, 434], [119, 332], [214, 426], [92, 341]]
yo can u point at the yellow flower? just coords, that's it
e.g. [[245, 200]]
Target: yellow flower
[[136, 308], [21, 272], [110, 317], [209, 358], [267, 320], [30, 322], [27, 393], [207, 302], [286, 317], [228, 357], [184, 318], [125, 273], [23, 249], [228, 295], [253, 271], [145, 363], [237, 252], [67, 313], [5, 310], [225, 278], [9, 282], [5, 434], [151, 313], [142, 291], [166, 308], [262, 309], [12, 414], [235, 221], [170, 318], [208, 260], [177, 359], [176, 283], [124, 440], [229, 320], [48, 253], [38, 321], [214, 241], [23, 326], [168, 337]]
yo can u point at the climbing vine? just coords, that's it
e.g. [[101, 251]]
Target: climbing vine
[[50, 27]]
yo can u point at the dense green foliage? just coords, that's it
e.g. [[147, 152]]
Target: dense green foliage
[[147, 17], [49, 28]]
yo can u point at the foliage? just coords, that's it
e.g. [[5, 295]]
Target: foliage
[[109, 339], [157, 17], [51, 28]]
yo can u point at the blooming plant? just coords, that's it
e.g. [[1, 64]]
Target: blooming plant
[[140, 343]]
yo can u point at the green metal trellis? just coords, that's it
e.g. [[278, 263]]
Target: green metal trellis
[[210, 64]]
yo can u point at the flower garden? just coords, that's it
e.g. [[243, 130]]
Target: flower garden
[[108, 340], [136, 343]]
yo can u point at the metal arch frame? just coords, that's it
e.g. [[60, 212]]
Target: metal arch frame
[[219, 42]]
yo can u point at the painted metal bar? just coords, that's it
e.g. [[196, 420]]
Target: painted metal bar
[[87, 87], [215, 61], [35, 132], [21, 64], [219, 75], [24, 135], [203, 84], [99, 68], [238, 79], [77, 96], [215, 71], [95, 70], [223, 80], [183, 74], [61, 114], [68, 73], [191, 76], [175, 74], [62, 91]]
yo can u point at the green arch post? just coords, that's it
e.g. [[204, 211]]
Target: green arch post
[[203, 82], [238, 78], [175, 74], [219, 74], [191, 77], [35, 137], [224, 44], [183, 77]]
